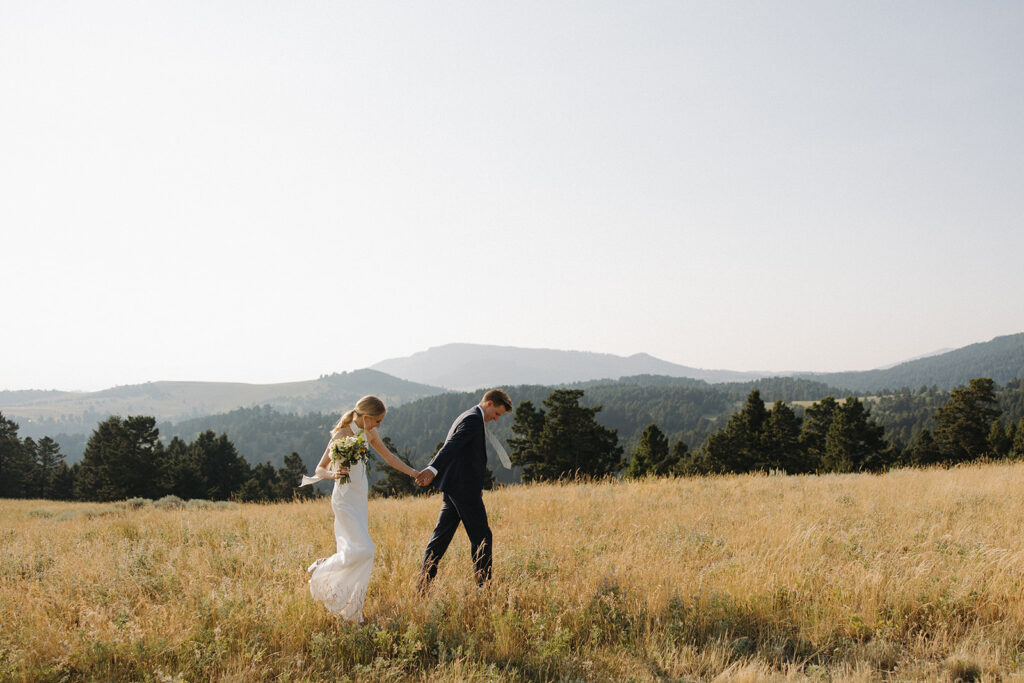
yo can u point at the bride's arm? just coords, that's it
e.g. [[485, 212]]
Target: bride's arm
[[323, 467], [390, 458]]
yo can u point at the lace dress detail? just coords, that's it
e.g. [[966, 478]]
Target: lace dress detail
[[340, 580]]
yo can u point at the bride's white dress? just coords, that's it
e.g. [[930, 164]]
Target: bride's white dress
[[340, 580]]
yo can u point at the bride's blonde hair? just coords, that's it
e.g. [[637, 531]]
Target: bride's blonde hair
[[367, 405]]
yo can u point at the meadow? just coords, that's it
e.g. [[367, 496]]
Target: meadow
[[914, 574]]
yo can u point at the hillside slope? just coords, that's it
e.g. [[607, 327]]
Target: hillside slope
[[55, 412], [1001, 359], [472, 366]]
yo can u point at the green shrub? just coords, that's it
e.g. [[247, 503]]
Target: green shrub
[[169, 503]]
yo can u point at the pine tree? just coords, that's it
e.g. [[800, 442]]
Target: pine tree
[[780, 441], [923, 451], [738, 447], [651, 456], [1018, 440], [528, 423], [262, 485], [62, 484], [49, 460], [679, 459], [121, 460], [183, 471], [31, 479], [999, 442], [222, 468], [854, 442], [964, 421], [565, 440], [290, 476], [9, 444], [16, 462], [817, 421]]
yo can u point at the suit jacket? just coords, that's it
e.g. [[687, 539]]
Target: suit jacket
[[461, 463]]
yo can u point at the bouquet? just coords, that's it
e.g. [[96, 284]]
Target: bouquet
[[348, 451]]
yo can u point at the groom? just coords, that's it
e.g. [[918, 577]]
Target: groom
[[460, 466]]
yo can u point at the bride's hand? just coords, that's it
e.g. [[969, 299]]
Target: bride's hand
[[332, 473]]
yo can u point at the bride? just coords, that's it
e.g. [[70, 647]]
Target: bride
[[340, 581]]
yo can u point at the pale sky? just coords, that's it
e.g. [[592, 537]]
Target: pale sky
[[268, 191]]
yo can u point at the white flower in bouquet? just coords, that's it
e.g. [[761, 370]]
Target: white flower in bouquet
[[348, 451]]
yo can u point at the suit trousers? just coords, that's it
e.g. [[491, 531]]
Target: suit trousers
[[470, 512]]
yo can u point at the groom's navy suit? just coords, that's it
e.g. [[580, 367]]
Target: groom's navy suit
[[461, 466]]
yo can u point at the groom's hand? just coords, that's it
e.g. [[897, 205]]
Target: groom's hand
[[424, 478]]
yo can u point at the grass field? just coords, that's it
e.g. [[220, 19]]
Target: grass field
[[916, 574]]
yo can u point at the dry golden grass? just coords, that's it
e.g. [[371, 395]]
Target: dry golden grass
[[909, 575]]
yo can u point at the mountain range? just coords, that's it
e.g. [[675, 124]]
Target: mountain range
[[462, 367], [466, 367], [472, 366]]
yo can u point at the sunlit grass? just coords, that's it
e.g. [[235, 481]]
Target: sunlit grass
[[913, 574]]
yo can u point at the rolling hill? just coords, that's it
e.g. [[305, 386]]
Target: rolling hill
[[472, 366], [465, 367], [1000, 359], [47, 413]]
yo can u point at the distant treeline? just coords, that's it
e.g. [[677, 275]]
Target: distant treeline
[[906, 413], [125, 458], [688, 411], [568, 436], [685, 410], [834, 436], [564, 439]]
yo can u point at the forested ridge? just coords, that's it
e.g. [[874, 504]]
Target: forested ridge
[[1000, 359], [47, 413], [677, 425], [685, 410]]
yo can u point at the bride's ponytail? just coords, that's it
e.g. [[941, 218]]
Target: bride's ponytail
[[367, 405], [345, 421]]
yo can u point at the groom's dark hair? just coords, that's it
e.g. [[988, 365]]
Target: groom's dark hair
[[499, 397]]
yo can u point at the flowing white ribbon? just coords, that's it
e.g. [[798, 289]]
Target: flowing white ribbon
[[499, 449], [306, 481]]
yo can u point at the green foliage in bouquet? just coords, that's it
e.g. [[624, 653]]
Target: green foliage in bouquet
[[347, 451]]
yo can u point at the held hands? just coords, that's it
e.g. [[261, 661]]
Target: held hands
[[424, 478]]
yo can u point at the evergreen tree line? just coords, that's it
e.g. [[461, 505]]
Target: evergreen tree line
[[125, 458], [685, 410], [906, 413], [262, 433], [688, 410], [834, 436], [564, 438]]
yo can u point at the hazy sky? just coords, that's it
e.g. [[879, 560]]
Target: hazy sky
[[270, 191]]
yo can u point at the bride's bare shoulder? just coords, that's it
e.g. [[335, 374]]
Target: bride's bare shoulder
[[341, 433]]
